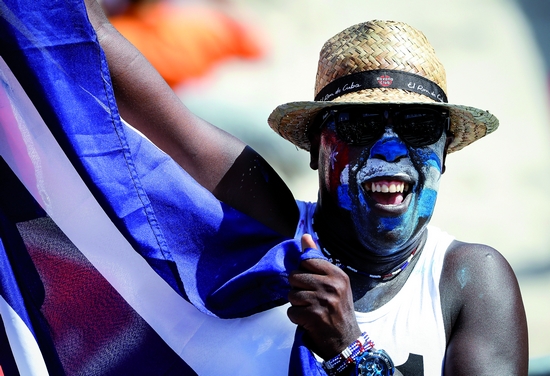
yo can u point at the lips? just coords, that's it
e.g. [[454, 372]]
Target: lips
[[388, 195]]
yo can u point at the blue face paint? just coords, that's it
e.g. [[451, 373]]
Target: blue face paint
[[432, 172], [384, 223], [426, 203], [390, 224], [362, 199], [344, 198], [434, 162], [380, 229], [389, 149]]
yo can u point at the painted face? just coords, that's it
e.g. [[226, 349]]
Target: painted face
[[388, 187]]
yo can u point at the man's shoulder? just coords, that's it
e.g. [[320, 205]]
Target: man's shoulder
[[478, 289], [472, 263], [470, 271], [474, 256]]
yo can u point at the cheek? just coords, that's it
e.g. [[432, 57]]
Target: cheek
[[430, 166], [335, 155], [430, 160]]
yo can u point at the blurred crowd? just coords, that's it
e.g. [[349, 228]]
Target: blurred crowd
[[185, 39]]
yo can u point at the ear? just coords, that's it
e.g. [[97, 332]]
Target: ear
[[315, 140], [449, 139]]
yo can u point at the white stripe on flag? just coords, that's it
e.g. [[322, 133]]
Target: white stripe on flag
[[23, 345]]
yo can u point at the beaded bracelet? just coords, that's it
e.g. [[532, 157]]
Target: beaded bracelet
[[348, 355]]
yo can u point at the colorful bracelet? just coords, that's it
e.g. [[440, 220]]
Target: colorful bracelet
[[348, 355]]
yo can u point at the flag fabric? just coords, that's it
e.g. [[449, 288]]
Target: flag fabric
[[113, 260]]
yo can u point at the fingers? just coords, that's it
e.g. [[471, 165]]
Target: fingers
[[303, 280], [327, 318], [301, 298], [300, 315], [322, 304], [319, 284], [316, 266], [311, 309], [321, 267]]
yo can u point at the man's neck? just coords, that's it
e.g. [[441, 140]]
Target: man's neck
[[338, 238], [369, 294]]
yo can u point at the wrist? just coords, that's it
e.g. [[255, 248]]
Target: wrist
[[341, 361], [365, 359], [374, 363]]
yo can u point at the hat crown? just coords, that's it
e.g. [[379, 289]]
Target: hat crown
[[378, 45]]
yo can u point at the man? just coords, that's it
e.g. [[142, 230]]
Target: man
[[378, 132]]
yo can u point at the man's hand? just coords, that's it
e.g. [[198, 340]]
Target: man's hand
[[322, 304]]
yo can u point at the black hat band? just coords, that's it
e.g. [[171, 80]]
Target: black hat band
[[382, 78]]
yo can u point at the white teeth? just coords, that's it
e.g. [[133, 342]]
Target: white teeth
[[385, 187]]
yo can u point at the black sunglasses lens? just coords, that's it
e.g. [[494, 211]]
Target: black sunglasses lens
[[417, 127], [358, 127], [420, 127]]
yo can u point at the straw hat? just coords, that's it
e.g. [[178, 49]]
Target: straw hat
[[379, 62]]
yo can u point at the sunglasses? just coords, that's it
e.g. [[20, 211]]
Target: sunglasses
[[364, 125]]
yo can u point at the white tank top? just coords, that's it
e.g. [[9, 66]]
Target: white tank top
[[410, 326]]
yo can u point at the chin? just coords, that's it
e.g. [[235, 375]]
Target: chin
[[386, 235]]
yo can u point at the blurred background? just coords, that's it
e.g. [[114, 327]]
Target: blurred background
[[245, 57]]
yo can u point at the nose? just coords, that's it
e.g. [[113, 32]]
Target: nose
[[389, 147]]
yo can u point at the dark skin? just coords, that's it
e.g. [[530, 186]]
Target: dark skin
[[485, 323]]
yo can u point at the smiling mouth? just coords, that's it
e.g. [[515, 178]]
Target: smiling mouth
[[387, 192]]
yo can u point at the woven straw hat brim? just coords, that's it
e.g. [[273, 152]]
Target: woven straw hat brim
[[292, 120]]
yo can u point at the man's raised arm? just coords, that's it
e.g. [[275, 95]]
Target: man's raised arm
[[220, 162]]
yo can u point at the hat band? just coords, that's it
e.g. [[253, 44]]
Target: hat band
[[381, 78]]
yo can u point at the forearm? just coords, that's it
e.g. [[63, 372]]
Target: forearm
[[214, 158], [137, 85], [146, 101]]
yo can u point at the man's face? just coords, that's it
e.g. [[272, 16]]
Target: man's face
[[383, 167]]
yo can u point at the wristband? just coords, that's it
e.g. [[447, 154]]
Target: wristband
[[348, 355]]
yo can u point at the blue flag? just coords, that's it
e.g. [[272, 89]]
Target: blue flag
[[113, 260]]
